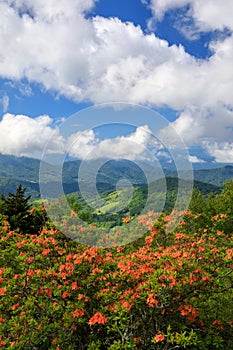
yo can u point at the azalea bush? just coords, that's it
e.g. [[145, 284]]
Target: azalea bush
[[170, 289]]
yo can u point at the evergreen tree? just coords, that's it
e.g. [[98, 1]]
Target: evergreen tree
[[17, 210]]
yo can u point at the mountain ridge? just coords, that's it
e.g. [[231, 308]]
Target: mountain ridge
[[15, 170]]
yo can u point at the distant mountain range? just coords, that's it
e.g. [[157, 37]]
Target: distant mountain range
[[15, 170]]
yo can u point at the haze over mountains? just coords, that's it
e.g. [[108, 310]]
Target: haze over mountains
[[15, 170]]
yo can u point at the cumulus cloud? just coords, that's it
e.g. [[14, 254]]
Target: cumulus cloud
[[208, 15], [137, 145], [195, 159], [207, 127], [21, 135], [222, 152], [104, 59]]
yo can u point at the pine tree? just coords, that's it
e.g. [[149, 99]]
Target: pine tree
[[17, 210]]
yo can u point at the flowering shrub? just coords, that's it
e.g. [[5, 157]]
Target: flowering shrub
[[171, 289]]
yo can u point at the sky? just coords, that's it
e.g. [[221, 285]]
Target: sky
[[174, 57]]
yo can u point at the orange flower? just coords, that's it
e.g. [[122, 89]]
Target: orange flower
[[126, 304], [126, 220], [138, 339], [2, 291], [40, 291], [97, 318], [15, 306], [65, 294], [20, 244], [74, 285], [45, 252], [159, 337], [49, 292], [30, 273], [151, 300], [149, 240], [78, 313]]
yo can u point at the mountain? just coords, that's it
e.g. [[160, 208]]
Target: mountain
[[20, 168], [15, 170], [216, 176]]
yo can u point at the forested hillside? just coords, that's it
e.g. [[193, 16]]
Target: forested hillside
[[15, 170]]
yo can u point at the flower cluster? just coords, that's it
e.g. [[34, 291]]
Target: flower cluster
[[169, 289]]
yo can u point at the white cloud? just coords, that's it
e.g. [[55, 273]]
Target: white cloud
[[159, 7], [209, 128], [107, 60], [104, 59], [5, 103], [195, 159], [222, 152], [21, 135], [208, 14], [136, 145]]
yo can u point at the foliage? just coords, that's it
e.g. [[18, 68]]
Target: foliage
[[171, 289], [17, 208]]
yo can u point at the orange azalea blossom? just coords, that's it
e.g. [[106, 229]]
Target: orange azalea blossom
[[138, 339], [45, 252], [63, 275], [74, 286], [69, 257], [97, 318], [167, 218], [126, 220], [182, 223], [151, 300], [65, 295], [40, 291], [2, 291], [30, 273], [21, 244], [15, 306], [229, 253], [149, 240], [126, 304], [159, 337], [49, 292], [78, 313]]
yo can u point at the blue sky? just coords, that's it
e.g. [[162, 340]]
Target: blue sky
[[172, 56]]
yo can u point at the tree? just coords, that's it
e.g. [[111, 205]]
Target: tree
[[19, 214], [17, 210]]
